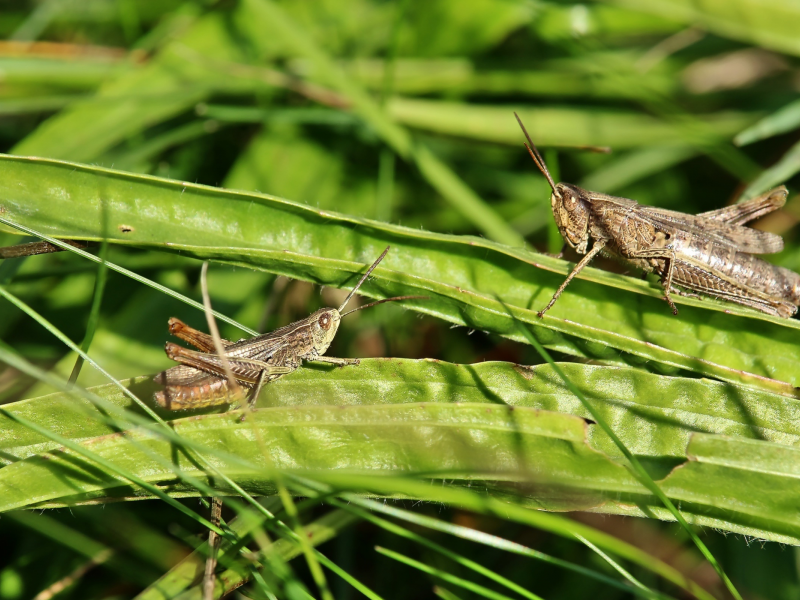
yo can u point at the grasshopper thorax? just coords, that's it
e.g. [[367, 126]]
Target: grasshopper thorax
[[571, 214]]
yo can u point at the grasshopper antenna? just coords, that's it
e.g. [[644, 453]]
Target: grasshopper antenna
[[363, 279], [395, 299], [534, 152]]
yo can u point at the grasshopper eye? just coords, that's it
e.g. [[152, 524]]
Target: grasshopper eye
[[324, 321], [571, 202]]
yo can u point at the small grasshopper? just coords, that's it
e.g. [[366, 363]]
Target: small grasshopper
[[709, 253], [200, 380]]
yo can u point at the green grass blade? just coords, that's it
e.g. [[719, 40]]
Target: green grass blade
[[487, 539], [454, 556], [94, 311], [444, 594], [619, 568], [784, 169], [347, 577], [443, 575], [783, 120]]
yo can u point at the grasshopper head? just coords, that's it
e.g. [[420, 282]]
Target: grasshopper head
[[568, 202], [324, 325], [325, 322], [571, 214]]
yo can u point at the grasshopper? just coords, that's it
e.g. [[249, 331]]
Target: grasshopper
[[709, 253], [200, 380]]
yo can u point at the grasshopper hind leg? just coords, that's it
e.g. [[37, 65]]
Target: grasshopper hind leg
[[263, 378]]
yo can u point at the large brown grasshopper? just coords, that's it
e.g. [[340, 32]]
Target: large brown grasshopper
[[200, 380], [709, 253]]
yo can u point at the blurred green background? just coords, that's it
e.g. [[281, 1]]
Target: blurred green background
[[401, 112]]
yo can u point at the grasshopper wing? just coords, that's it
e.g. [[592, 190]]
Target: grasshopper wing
[[264, 346], [726, 234], [744, 212]]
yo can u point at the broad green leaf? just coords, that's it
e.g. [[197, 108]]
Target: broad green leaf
[[501, 438], [463, 276], [438, 439], [655, 415], [771, 24], [750, 482], [485, 444]]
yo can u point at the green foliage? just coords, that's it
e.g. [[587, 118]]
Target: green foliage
[[299, 139]]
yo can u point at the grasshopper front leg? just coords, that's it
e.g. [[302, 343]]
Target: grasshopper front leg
[[596, 249], [341, 362]]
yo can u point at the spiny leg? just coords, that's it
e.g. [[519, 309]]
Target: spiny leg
[[667, 283], [262, 379], [596, 248], [668, 256], [246, 370]]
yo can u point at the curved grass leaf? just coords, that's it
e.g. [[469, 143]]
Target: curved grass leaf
[[461, 275]]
